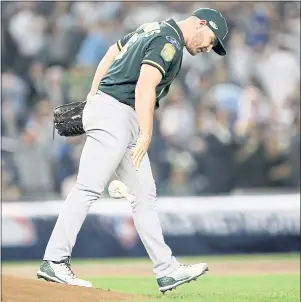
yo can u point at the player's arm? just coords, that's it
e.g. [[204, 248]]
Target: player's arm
[[103, 68], [106, 62], [145, 98], [158, 57]]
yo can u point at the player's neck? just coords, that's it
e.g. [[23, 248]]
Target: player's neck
[[184, 29]]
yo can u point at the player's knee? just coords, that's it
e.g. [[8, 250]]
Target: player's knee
[[91, 193]]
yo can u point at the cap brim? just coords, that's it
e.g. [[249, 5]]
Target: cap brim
[[220, 48]]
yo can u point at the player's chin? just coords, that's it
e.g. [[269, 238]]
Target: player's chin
[[193, 52]]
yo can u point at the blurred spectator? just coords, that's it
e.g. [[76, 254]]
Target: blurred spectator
[[239, 58], [39, 124], [27, 29], [177, 118], [33, 155], [36, 81], [225, 96], [64, 37], [76, 83], [9, 178], [67, 158], [34, 168], [294, 160], [178, 183], [14, 103], [285, 68], [279, 173], [93, 47], [53, 79], [144, 13], [214, 151]]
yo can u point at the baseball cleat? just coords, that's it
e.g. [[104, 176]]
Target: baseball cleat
[[184, 274], [60, 272]]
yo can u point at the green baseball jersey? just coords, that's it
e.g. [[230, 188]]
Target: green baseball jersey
[[159, 44]]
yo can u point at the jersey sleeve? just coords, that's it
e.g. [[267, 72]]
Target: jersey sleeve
[[160, 53], [120, 43]]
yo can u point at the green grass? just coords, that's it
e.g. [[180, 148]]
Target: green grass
[[264, 288], [249, 257]]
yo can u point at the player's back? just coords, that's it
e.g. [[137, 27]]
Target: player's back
[[159, 44]]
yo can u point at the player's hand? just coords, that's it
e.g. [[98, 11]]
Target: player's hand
[[140, 149]]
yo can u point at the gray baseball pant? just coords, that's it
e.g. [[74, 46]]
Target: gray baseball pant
[[112, 130]]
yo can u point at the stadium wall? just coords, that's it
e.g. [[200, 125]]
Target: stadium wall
[[191, 226]]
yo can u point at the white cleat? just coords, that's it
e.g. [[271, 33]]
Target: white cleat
[[60, 272], [184, 274]]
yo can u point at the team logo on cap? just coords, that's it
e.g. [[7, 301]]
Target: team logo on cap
[[213, 24]]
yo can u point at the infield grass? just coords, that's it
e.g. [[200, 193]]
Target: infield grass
[[264, 288], [257, 288]]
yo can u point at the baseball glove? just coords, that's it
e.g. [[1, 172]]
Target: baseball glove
[[67, 119]]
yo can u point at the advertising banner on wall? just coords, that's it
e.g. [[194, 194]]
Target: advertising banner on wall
[[195, 226]]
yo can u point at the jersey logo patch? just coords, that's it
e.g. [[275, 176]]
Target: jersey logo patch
[[168, 52], [174, 42]]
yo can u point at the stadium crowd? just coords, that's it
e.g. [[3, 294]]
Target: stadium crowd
[[227, 124]]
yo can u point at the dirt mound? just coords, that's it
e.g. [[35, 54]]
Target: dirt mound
[[26, 290]]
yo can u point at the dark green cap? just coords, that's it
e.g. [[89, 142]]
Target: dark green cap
[[217, 23]]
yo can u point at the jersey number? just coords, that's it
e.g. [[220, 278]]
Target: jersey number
[[148, 28], [132, 40], [151, 28]]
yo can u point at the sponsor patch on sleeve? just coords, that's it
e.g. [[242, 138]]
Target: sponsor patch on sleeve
[[168, 52], [174, 42]]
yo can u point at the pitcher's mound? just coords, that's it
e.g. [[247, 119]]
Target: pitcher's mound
[[27, 290]]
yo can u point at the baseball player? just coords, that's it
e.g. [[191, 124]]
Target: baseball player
[[129, 82]]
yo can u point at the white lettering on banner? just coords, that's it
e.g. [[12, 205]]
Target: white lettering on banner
[[271, 214], [177, 224], [231, 224]]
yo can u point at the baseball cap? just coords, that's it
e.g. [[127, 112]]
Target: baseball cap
[[217, 23]]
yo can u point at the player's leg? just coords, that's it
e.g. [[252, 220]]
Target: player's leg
[[168, 271], [107, 139], [141, 184]]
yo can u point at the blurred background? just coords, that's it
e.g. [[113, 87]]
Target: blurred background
[[225, 152], [228, 124]]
